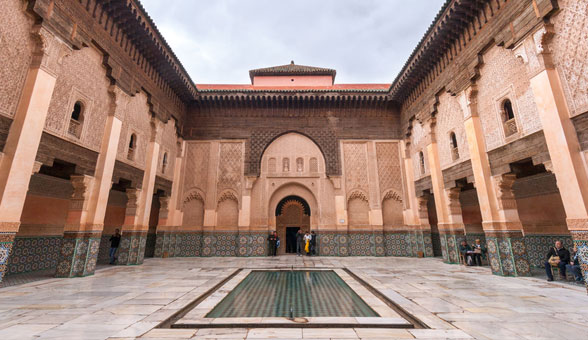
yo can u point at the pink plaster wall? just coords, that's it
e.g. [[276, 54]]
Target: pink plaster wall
[[115, 216], [542, 214], [293, 81]]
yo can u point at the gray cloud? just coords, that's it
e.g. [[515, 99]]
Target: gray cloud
[[366, 41]]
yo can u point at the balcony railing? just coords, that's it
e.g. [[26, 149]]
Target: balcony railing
[[510, 127], [454, 154], [131, 154], [75, 128]]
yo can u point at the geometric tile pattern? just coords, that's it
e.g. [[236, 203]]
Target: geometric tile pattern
[[6, 242], [34, 253], [581, 242], [131, 250], [507, 254], [450, 246], [538, 246], [397, 244], [78, 254]]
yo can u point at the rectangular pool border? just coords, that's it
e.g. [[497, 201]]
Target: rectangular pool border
[[413, 322]]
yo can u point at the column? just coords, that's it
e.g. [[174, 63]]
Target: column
[[134, 233], [451, 228], [416, 218], [128, 251], [88, 205], [506, 247], [165, 239], [562, 142], [424, 226], [79, 248], [22, 143]]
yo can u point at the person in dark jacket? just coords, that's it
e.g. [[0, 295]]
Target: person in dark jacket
[[564, 259], [466, 251], [273, 243], [479, 252], [299, 242], [574, 265], [312, 243], [114, 242]]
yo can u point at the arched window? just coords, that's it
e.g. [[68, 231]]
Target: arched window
[[132, 147], [422, 162], [454, 149], [313, 165], [286, 165], [508, 118], [299, 164], [271, 165], [76, 119], [164, 163], [507, 110]]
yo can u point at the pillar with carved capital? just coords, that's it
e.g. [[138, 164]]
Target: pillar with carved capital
[[79, 248], [166, 240], [568, 163], [452, 230], [447, 206], [506, 247], [22, 143], [424, 230], [133, 241]]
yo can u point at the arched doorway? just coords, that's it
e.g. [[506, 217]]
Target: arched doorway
[[292, 214]]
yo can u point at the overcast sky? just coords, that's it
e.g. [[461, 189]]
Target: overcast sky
[[219, 41]]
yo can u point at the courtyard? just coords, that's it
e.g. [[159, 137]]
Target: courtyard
[[138, 302]]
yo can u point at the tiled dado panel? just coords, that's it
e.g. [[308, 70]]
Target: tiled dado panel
[[539, 245], [6, 242], [34, 253], [508, 254], [366, 244], [581, 241], [78, 254]]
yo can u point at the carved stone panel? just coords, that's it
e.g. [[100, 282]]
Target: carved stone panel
[[230, 170], [196, 170], [389, 173], [356, 174]]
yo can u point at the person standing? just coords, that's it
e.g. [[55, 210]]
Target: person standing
[[307, 238], [312, 243], [299, 242], [114, 242], [557, 256], [272, 240]]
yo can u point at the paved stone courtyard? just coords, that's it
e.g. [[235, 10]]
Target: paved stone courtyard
[[455, 302]]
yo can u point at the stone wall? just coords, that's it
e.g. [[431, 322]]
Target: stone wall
[[16, 48], [81, 78], [503, 76], [570, 50], [450, 120]]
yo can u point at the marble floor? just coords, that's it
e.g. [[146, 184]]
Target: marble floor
[[455, 302]]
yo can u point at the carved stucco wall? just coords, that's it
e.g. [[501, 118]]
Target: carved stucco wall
[[168, 145], [16, 48], [390, 181], [418, 144], [230, 168], [81, 77], [356, 168], [450, 119], [195, 173], [570, 52], [502, 76], [136, 120]]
